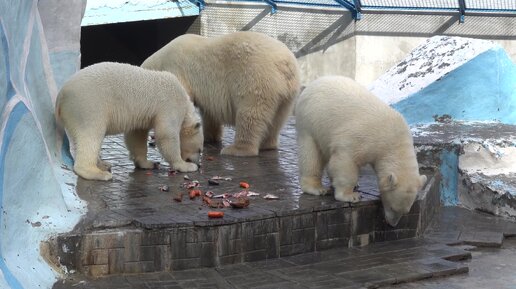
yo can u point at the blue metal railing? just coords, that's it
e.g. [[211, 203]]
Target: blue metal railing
[[357, 7]]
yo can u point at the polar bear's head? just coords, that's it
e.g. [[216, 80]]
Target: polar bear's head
[[192, 141], [398, 193]]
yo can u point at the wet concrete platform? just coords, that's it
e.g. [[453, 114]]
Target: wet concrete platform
[[133, 227]]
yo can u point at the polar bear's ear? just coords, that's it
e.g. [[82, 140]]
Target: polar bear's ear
[[389, 182], [190, 129]]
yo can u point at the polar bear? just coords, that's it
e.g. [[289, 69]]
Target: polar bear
[[244, 79], [111, 98], [342, 126]]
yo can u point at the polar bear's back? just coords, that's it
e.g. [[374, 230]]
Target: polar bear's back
[[340, 112], [230, 71], [240, 49], [119, 93]]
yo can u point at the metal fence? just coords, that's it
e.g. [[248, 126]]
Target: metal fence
[[359, 7]]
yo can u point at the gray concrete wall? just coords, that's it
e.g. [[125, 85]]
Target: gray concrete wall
[[329, 41]]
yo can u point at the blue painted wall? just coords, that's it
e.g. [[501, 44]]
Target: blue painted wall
[[449, 170], [483, 88], [35, 199]]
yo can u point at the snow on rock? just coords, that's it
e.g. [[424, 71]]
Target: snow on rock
[[488, 158], [425, 64]]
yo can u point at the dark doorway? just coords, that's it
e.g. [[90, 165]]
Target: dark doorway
[[130, 42]]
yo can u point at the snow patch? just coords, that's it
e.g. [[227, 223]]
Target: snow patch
[[426, 64], [488, 158]]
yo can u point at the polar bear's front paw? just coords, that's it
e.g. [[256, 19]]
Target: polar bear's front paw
[[93, 173], [347, 197], [313, 186], [185, 167], [317, 191], [146, 164]]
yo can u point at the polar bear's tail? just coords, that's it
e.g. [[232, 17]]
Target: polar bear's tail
[[57, 114], [62, 136]]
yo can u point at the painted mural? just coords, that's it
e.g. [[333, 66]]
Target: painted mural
[[36, 197]]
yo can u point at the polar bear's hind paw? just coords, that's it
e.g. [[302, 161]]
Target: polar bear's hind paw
[[145, 165], [185, 167]]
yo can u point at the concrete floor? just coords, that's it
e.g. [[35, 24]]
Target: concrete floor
[[488, 268]]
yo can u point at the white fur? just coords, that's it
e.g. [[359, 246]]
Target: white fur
[[112, 98], [244, 79], [342, 126]]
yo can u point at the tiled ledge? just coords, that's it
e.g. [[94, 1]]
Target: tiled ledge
[[215, 243]]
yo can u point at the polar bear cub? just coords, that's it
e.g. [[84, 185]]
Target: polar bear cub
[[342, 126], [111, 98], [244, 79]]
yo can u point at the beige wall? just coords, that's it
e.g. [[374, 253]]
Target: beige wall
[[329, 41]]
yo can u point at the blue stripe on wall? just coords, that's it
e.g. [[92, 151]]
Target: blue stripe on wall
[[14, 118], [449, 170]]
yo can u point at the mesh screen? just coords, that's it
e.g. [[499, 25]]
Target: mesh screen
[[411, 3], [493, 5], [301, 30]]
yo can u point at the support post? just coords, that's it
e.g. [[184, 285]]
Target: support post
[[462, 10], [272, 4], [352, 7], [199, 3]]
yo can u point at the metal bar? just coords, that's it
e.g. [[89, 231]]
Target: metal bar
[[358, 5], [393, 8], [358, 8], [462, 10], [351, 7], [307, 3], [274, 7], [199, 3]]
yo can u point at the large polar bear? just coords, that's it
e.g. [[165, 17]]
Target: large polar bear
[[111, 98], [244, 79], [341, 125]]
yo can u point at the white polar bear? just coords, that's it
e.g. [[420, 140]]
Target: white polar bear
[[343, 126], [111, 98], [244, 79]]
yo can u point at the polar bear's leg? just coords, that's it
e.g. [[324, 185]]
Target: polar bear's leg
[[271, 140], [136, 142], [212, 129], [251, 126], [344, 174], [87, 150], [311, 165], [169, 145]]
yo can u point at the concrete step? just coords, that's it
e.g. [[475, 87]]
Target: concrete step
[[373, 266]]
